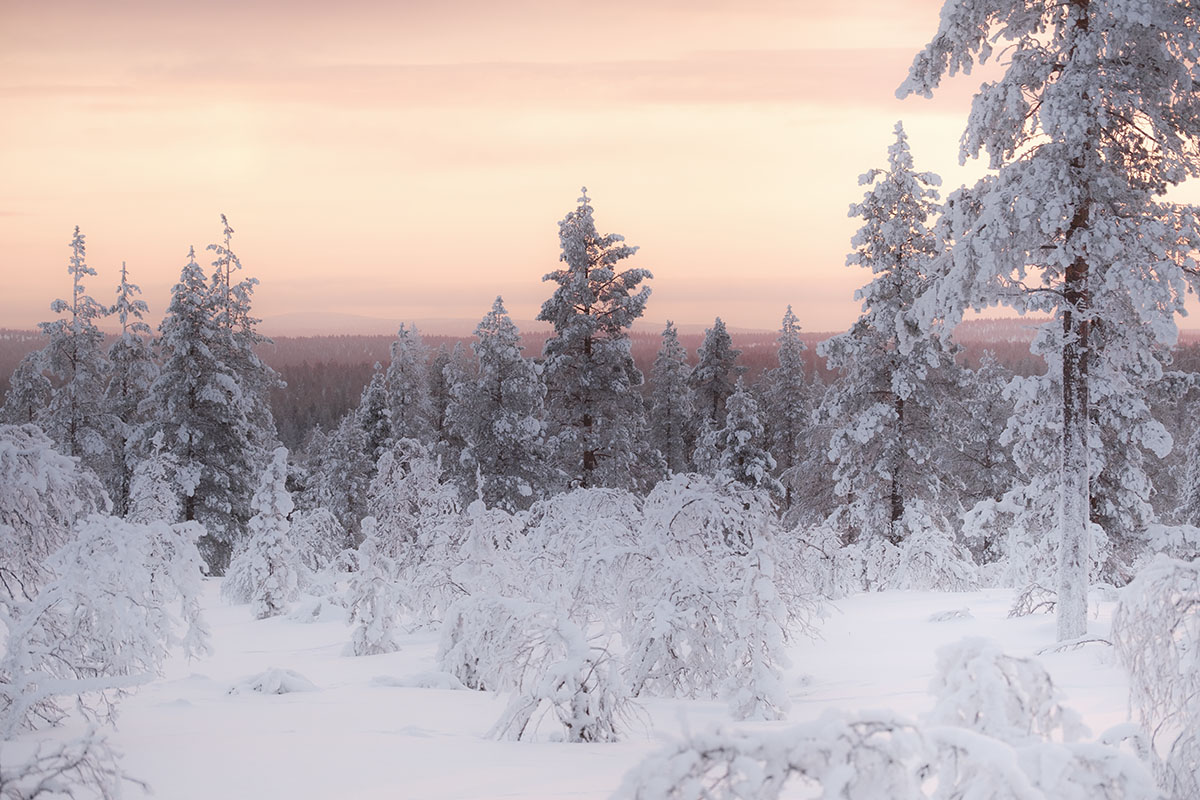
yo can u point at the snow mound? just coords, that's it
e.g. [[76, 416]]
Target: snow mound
[[954, 613], [318, 609], [275, 681], [432, 679]]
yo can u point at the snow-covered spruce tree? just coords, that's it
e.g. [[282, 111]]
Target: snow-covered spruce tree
[[237, 338], [444, 375], [132, 371], [406, 383], [42, 494], [788, 407], [375, 417], [340, 474], [198, 405], [77, 419], [672, 415], [373, 597], [1156, 633], [1094, 119], [596, 418], [28, 392], [498, 414], [712, 379], [741, 445], [881, 403], [266, 571]]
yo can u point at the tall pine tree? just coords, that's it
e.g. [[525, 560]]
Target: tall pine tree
[[596, 416], [715, 373], [672, 414], [1095, 117]]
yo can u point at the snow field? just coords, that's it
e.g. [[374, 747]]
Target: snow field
[[371, 731]]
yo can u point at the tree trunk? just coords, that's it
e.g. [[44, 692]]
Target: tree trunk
[[1075, 502], [896, 497]]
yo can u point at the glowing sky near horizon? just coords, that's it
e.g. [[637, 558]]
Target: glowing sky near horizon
[[411, 159]]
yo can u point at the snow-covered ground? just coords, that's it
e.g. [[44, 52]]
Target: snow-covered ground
[[369, 729]]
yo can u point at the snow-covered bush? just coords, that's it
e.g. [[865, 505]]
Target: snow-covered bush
[[1156, 632], [535, 651], [153, 492], [266, 572], [102, 621], [65, 769], [373, 597], [275, 680], [42, 494], [703, 614], [984, 741], [817, 560], [319, 538], [930, 558], [1011, 699]]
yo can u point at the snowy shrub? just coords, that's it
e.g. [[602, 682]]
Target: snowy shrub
[[703, 614], [102, 621], [877, 561], [930, 558], [535, 651], [1156, 632], [42, 494], [816, 558], [373, 598], [1011, 699], [66, 769], [319, 538], [266, 571], [983, 742], [866, 757], [153, 492]]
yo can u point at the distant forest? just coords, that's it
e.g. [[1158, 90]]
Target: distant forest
[[325, 375]]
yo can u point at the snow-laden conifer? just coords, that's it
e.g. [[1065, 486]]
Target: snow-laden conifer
[[741, 444], [132, 371], [203, 413], [410, 406], [595, 413], [266, 571], [499, 416], [787, 406], [77, 418], [28, 392], [374, 417], [881, 403], [672, 413], [715, 374], [1095, 117]]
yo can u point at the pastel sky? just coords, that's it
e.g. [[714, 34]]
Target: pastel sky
[[411, 159]]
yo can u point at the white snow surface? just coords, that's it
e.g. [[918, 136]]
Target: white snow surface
[[369, 729]]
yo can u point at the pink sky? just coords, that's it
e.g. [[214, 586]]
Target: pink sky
[[411, 159]]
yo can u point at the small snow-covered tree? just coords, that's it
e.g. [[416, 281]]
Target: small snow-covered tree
[[77, 418], [42, 494], [1093, 120], [152, 487], [340, 473], [672, 422], [788, 406], [1156, 632], [712, 379], [499, 416], [132, 371], [596, 418], [266, 572], [28, 392], [406, 383], [374, 417], [373, 597], [741, 445], [881, 403]]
